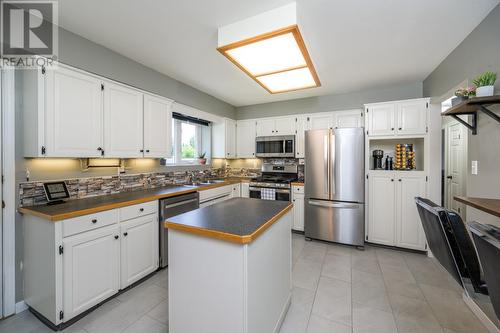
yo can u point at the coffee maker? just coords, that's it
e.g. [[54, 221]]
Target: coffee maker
[[377, 159]]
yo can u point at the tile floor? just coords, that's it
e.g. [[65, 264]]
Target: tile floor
[[336, 289]]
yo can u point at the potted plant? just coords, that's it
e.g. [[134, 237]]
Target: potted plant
[[463, 94], [202, 159], [485, 84]]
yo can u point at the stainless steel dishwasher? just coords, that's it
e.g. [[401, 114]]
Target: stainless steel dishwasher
[[171, 207]]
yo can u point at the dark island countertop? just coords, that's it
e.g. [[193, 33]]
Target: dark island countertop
[[238, 220], [79, 207]]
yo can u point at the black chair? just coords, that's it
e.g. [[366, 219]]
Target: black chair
[[487, 240], [451, 244]]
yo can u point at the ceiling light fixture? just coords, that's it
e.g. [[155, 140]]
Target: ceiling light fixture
[[277, 60]]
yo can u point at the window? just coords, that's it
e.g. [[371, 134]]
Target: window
[[190, 139]]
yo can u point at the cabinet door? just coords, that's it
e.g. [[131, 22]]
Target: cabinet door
[[139, 248], [245, 138], [245, 190], [298, 212], [412, 117], [123, 121], [236, 191], [265, 127], [351, 118], [381, 119], [90, 269], [74, 114], [284, 126], [230, 138], [409, 232], [302, 125], [381, 211], [321, 121], [157, 127]]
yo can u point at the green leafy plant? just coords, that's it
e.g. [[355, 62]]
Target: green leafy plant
[[485, 79], [466, 92], [202, 155]]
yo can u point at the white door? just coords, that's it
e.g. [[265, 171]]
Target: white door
[[321, 121], [139, 248], [90, 269], [381, 208], [298, 212], [284, 126], [409, 232], [456, 167], [381, 119], [302, 125], [351, 118], [157, 127], [245, 138], [230, 138], [265, 127], [123, 121], [74, 114], [412, 117]]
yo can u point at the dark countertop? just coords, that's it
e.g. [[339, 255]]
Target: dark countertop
[[79, 207], [238, 220]]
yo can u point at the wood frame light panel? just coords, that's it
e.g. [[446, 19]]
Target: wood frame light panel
[[290, 71]]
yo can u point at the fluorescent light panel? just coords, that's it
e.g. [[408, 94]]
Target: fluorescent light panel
[[278, 61]]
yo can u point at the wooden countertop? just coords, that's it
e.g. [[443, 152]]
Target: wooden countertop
[[297, 183], [238, 220], [79, 207], [490, 206]]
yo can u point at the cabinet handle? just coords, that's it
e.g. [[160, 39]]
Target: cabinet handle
[[141, 209], [392, 180], [392, 129], [142, 150], [400, 128], [99, 148], [125, 234], [116, 236], [399, 180], [94, 220], [147, 150]]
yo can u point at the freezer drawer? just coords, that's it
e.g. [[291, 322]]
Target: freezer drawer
[[335, 221]]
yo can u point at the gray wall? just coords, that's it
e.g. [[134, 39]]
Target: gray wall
[[479, 52], [330, 102], [82, 53]]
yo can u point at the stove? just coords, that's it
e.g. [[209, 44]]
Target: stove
[[274, 184]]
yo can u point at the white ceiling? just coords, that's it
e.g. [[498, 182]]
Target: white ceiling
[[355, 44]]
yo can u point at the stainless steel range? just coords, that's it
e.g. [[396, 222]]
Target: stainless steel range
[[274, 184]]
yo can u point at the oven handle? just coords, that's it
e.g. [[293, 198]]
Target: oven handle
[[257, 189], [333, 204]]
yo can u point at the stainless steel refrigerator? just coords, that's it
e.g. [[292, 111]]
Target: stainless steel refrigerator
[[334, 185]]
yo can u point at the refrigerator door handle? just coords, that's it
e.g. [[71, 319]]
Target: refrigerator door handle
[[332, 179], [326, 166], [333, 204]]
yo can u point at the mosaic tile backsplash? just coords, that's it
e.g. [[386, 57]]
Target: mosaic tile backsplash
[[32, 193]]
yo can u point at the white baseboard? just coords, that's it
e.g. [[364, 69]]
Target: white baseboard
[[483, 318], [21, 306]]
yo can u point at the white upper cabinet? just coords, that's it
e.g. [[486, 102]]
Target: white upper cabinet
[[265, 127], [381, 119], [397, 118], [123, 121], [350, 118], [157, 127], [74, 114], [245, 138], [302, 125], [412, 117], [224, 139], [321, 121], [284, 126]]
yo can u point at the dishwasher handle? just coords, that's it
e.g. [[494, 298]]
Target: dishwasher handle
[[181, 203]]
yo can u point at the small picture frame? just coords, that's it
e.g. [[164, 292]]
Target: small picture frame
[[56, 192]]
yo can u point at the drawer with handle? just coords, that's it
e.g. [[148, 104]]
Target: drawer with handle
[[84, 223], [146, 208], [298, 189]]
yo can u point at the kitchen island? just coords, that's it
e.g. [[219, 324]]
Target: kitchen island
[[230, 267]]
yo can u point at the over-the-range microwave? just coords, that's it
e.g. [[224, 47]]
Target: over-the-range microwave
[[275, 146]]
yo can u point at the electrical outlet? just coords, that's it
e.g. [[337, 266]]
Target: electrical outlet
[[474, 168]]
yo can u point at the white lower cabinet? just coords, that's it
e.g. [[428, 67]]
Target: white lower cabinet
[[245, 190], [392, 215], [236, 191], [91, 262], [298, 208], [139, 248]]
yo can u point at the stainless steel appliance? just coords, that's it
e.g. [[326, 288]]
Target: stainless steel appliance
[[171, 207], [274, 184], [275, 146], [334, 185]]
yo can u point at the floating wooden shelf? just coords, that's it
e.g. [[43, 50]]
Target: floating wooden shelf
[[471, 107]]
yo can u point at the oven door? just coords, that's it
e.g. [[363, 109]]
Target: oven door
[[280, 194], [275, 146]]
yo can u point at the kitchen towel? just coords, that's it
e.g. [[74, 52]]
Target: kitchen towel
[[268, 193]]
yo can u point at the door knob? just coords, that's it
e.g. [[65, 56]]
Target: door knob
[[125, 234], [449, 177], [116, 236]]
